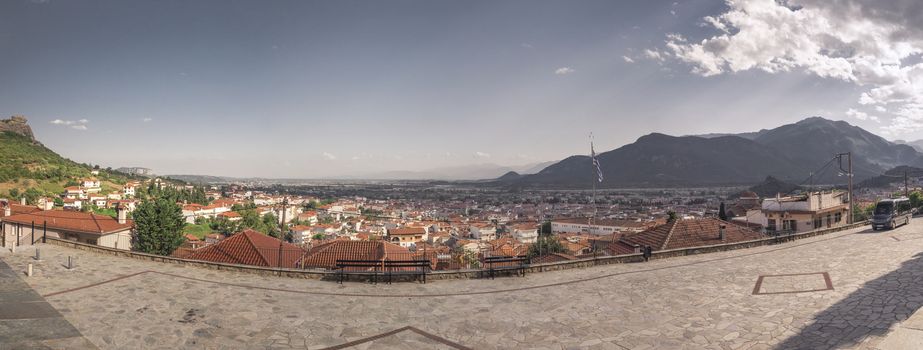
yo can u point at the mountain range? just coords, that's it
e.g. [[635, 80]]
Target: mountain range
[[791, 152]]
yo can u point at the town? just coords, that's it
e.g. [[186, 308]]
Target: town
[[451, 226], [499, 174]]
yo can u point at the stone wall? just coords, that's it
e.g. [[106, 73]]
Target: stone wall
[[455, 274], [17, 124]]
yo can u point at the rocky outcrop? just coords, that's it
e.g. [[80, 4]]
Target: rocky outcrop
[[17, 124]]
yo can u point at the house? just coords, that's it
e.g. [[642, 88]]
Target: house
[[193, 242], [44, 203], [407, 236], [80, 227], [302, 234], [73, 204], [482, 231], [251, 248], [597, 226], [213, 238], [90, 183], [128, 190], [325, 255], [98, 201], [525, 232], [128, 205], [231, 216], [680, 234], [8, 208], [74, 192], [806, 212], [309, 217]]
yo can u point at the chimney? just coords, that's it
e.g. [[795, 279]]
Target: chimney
[[721, 232], [7, 211], [22, 201], [121, 214]]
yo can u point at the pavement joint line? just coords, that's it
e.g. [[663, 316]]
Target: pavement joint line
[[825, 275], [372, 338], [482, 292]]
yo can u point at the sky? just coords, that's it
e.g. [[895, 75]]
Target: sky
[[315, 89]]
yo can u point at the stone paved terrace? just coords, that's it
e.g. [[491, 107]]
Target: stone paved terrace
[[850, 289]]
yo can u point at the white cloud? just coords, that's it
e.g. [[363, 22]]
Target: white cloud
[[480, 154], [853, 113], [628, 59], [653, 54], [328, 156], [73, 124], [864, 42], [564, 70], [147, 120], [881, 109]]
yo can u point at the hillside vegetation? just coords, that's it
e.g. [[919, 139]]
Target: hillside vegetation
[[25, 164]]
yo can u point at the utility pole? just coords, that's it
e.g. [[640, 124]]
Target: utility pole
[[906, 186], [849, 176], [851, 211], [282, 231]]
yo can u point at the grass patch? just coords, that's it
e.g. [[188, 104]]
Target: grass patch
[[197, 230]]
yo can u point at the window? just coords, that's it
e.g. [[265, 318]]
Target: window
[[837, 217], [771, 225]]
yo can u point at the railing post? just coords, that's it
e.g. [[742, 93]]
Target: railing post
[[32, 231], [45, 232]]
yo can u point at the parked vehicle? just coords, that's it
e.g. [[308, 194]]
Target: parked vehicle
[[891, 213]]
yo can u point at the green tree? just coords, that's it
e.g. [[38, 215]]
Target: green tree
[[671, 215], [545, 229], [916, 199], [159, 226], [546, 245]]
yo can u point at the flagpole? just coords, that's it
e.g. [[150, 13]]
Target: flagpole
[[595, 178]]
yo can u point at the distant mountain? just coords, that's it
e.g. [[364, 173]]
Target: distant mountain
[[746, 135], [462, 172], [892, 176], [510, 176], [663, 160], [790, 152], [200, 179], [772, 186], [917, 145]]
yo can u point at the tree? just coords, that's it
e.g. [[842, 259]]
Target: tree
[[671, 216], [916, 199], [721, 213], [158, 226], [545, 245], [545, 229]]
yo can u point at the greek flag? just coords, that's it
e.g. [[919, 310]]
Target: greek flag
[[599, 172]]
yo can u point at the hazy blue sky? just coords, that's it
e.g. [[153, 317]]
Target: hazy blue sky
[[323, 88]]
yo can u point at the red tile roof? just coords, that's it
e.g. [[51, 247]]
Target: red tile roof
[[71, 221], [326, 255], [16, 209], [690, 233], [250, 248], [407, 231]]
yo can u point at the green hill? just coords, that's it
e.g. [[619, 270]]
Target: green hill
[[26, 164]]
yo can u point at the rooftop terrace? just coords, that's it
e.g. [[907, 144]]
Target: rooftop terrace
[[849, 289]]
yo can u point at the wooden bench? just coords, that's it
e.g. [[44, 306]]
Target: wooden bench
[[507, 263], [367, 268], [407, 267]]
